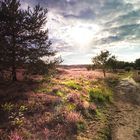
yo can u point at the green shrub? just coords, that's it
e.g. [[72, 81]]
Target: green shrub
[[7, 107], [100, 94], [59, 93], [98, 113], [23, 108], [73, 85], [70, 106], [17, 118]]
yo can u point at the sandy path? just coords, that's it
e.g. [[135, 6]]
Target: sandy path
[[126, 113]]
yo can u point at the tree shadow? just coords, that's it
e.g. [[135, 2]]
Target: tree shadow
[[14, 91]]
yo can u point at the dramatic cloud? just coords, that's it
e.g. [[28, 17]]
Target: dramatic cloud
[[79, 29]]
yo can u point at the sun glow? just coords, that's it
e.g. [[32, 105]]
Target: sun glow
[[83, 34]]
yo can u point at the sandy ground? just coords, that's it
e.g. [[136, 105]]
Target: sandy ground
[[126, 111]]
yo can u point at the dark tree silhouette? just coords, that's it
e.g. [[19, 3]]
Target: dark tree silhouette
[[137, 63], [23, 39]]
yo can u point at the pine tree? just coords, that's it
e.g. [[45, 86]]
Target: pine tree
[[23, 39]]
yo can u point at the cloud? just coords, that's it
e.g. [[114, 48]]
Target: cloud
[[109, 24]]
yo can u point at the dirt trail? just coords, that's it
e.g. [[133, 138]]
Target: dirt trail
[[126, 112]]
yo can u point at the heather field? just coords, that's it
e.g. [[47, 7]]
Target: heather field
[[75, 104], [63, 107]]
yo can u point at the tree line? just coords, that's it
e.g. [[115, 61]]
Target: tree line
[[106, 61]]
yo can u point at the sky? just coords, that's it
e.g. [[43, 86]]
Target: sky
[[80, 29]]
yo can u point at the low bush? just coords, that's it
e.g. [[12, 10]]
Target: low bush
[[100, 94], [70, 106], [8, 107], [73, 85], [17, 118], [59, 93]]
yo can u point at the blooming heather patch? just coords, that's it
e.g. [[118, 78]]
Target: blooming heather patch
[[73, 117], [75, 73], [73, 97], [93, 106], [46, 133], [15, 136]]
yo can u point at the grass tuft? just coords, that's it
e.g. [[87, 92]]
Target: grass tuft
[[100, 94], [42, 90], [73, 85]]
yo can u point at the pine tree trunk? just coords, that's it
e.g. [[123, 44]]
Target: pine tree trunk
[[104, 72], [14, 75]]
